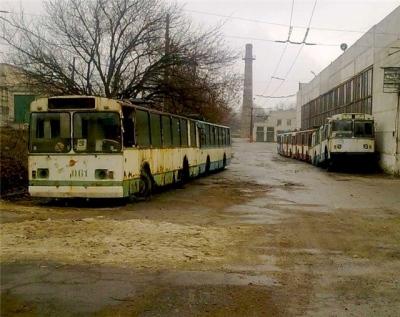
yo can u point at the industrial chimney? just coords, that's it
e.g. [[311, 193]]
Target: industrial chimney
[[247, 109]]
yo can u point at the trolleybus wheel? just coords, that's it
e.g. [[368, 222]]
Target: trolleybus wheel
[[331, 166], [185, 172], [315, 162], [326, 161], [208, 165], [145, 185]]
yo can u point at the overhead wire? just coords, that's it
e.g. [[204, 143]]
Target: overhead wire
[[282, 24], [283, 52], [228, 17], [297, 56]]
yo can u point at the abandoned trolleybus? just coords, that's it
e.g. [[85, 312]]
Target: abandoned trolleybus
[[94, 147], [344, 138]]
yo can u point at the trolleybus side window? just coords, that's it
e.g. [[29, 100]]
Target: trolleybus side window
[[203, 135], [184, 132], [142, 128], [155, 127], [176, 135], [129, 128], [50, 132], [166, 130], [208, 140], [192, 134]]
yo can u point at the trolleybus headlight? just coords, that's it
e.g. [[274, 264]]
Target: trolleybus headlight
[[339, 146], [43, 172], [365, 146], [100, 174]]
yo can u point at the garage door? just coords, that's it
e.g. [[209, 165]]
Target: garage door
[[21, 108]]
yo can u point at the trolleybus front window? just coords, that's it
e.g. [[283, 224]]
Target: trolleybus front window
[[50, 133], [97, 132], [364, 129], [342, 129]]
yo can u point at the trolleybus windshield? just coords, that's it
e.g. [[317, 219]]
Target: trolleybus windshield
[[50, 133], [342, 128], [96, 132], [364, 129]]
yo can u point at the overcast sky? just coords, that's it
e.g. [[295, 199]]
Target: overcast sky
[[262, 22]]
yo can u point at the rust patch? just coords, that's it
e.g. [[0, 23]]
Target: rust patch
[[72, 163]]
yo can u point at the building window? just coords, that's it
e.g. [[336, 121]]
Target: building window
[[279, 122], [289, 122]]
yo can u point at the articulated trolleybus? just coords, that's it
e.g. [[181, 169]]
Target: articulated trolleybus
[[343, 138], [94, 147]]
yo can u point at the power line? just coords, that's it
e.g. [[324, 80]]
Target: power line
[[283, 52], [235, 18], [298, 54], [277, 97], [281, 24], [313, 44]]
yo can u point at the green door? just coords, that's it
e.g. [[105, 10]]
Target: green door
[[21, 108], [260, 134]]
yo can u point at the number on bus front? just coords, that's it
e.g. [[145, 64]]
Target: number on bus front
[[79, 173]]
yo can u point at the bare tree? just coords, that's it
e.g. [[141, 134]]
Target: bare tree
[[260, 114], [122, 49]]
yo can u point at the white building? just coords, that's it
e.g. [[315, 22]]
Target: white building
[[354, 82], [277, 121], [15, 97]]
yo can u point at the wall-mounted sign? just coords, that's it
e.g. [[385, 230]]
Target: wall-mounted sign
[[391, 79]]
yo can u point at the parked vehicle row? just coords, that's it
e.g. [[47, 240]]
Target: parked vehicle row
[[343, 139]]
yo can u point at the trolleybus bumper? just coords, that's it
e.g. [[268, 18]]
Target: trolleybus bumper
[[76, 192]]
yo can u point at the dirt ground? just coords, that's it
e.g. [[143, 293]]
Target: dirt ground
[[268, 236]]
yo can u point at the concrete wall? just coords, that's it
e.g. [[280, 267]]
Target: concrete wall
[[385, 108], [371, 49]]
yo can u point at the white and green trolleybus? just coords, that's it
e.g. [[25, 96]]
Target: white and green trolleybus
[[95, 147]]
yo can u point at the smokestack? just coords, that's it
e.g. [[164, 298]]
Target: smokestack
[[247, 109]]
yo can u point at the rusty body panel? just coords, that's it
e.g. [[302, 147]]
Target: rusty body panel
[[85, 146]]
